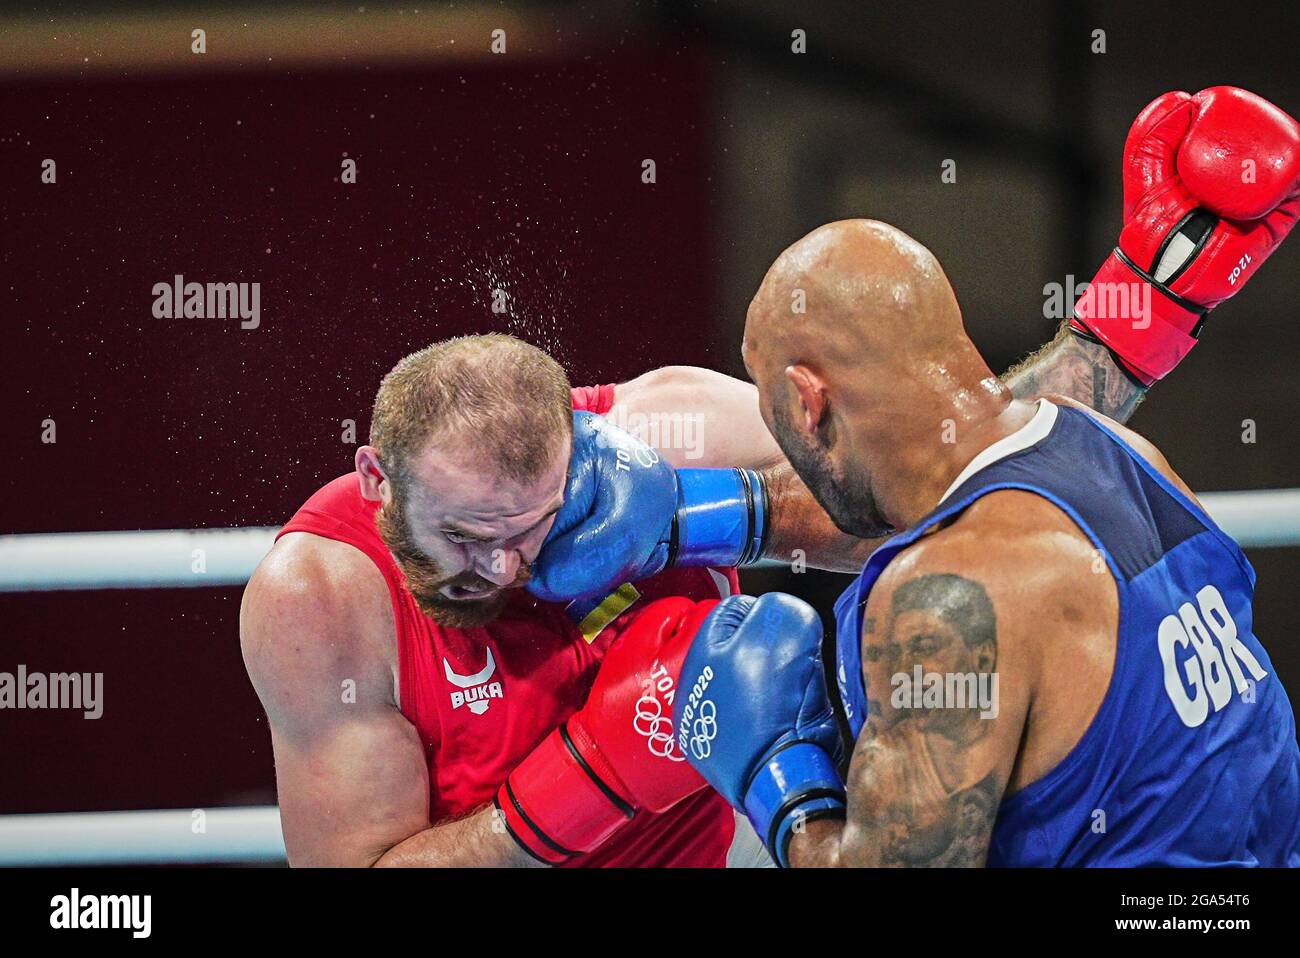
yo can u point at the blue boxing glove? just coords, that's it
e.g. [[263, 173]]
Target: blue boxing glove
[[627, 515], [754, 717]]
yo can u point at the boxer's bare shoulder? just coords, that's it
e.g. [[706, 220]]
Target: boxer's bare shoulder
[[1022, 558], [318, 637], [317, 613], [1013, 575]]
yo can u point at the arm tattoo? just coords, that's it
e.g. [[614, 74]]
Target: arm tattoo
[[925, 786], [958, 839], [1082, 370]]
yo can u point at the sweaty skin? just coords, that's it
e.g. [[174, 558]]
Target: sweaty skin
[[877, 396]]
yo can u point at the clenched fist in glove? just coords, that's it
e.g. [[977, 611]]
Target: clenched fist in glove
[[754, 715], [1211, 188], [628, 515], [616, 755]]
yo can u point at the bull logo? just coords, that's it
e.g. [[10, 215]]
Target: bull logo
[[475, 690]]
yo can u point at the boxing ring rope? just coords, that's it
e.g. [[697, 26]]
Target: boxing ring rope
[[153, 559], [249, 834], [180, 558], [1257, 518]]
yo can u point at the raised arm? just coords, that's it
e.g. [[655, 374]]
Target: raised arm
[[1194, 232], [1080, 369]]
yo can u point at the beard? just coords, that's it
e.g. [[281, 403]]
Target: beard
[[845, 495], [425, 579]]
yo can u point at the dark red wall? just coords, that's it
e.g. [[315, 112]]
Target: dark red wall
[[526, 177]]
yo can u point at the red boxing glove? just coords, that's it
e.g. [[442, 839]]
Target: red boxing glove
[[617, 754], [1211, 188]]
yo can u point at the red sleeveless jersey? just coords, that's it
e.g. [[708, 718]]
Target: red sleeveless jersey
[[482, 698]]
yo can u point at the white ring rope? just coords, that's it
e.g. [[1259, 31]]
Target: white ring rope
[[210, 836], [1257, 517], [154, 559], [178, 558]]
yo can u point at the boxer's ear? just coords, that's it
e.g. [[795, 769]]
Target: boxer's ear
[[813, 401], [371, 474]]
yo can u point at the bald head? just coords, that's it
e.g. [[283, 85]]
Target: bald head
[[856, 344], [852, 292]]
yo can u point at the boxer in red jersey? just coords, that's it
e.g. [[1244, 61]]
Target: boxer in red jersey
[[402, 676]]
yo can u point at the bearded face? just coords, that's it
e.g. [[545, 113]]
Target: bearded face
[[844, 494], [447, 599]]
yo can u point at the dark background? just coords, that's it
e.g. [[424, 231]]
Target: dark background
[[519, 172]]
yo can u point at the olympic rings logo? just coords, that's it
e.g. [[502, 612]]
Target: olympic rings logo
[[650, 721], [704, 729]]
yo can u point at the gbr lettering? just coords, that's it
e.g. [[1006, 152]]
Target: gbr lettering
[[1208, 677]]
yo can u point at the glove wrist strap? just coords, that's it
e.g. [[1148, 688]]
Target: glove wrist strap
[[795, 785], [1148, 327], [721, 518], [560, 801]]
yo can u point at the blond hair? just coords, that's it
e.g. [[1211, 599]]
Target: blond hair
[[505, 397]]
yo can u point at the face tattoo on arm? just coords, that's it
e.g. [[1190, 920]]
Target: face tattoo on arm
[[935, 794]]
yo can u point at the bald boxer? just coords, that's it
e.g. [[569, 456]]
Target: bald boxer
[[1054, 664]]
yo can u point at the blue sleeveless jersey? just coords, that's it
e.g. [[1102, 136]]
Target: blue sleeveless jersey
[[1191, 758]]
